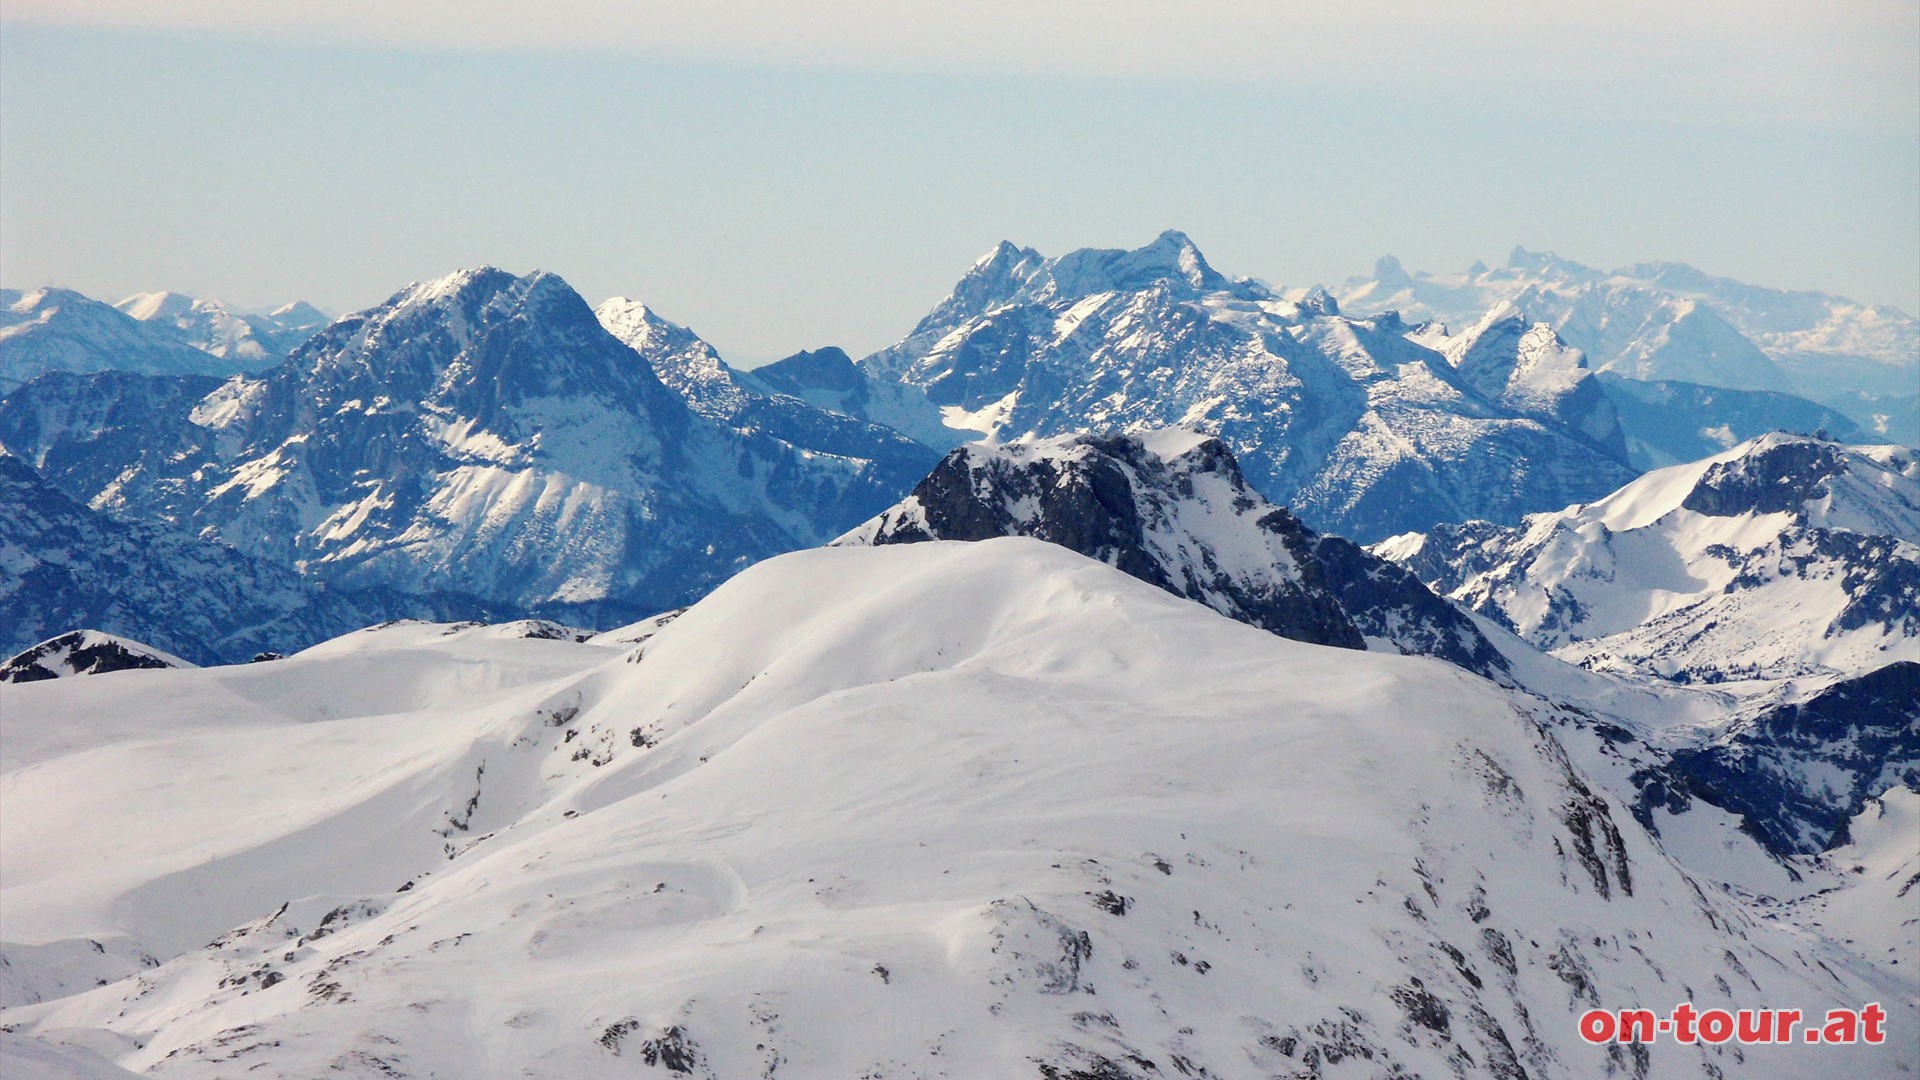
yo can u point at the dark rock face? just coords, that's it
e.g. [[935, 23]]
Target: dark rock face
[[1088, 504], [1386, 600], [1772, 480], [78, 652], [1776, 768], [1112, 498]]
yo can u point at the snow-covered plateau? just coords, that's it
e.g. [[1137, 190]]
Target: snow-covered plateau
[[932, 809]]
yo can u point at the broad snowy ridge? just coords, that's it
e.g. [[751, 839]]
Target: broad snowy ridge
[[935, 809]]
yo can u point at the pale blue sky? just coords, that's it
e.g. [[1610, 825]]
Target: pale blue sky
[[823, 179]]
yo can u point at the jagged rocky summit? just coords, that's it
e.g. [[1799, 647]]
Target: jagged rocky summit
[[1171, 508], [1360, 429]]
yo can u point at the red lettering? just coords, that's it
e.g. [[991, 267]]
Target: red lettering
[[1683, 1015], [1843, 1025], [1784, 1022], [1756, 1025], [1876, 1019], [1597, 1026], [1636, 1025]]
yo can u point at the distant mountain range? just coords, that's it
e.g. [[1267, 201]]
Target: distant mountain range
[[254, 341], [1358, 424], [488, 445], [53, 329], [1358, 429], [1668, 322]]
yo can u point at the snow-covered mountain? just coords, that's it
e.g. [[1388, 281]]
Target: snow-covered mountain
[[84, 652], [1170, 507], [1525, 366], [65, 566], [1670, 322], [1784, 557], [1358, 429], [250, 342], [60, 330], [926, 810], [792, 435], [480, 440]]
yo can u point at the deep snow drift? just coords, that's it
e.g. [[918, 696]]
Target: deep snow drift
[[939, 809]]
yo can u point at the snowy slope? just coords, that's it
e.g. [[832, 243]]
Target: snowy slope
[[1525, 366], [1670, 322], [1171, 508], [1785, 556], [960, 810], [1797, 771], [1360, 430], [60, 330]]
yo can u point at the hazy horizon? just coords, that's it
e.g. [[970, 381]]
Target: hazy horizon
[[777, 185]]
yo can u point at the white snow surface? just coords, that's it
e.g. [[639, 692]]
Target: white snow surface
[[1638, 582], [956, 810]]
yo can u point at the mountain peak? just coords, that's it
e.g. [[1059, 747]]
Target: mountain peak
[[163, 305], [1171, 257], [299, 314], [85, 652], [1546, 262], [1390, 274]]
